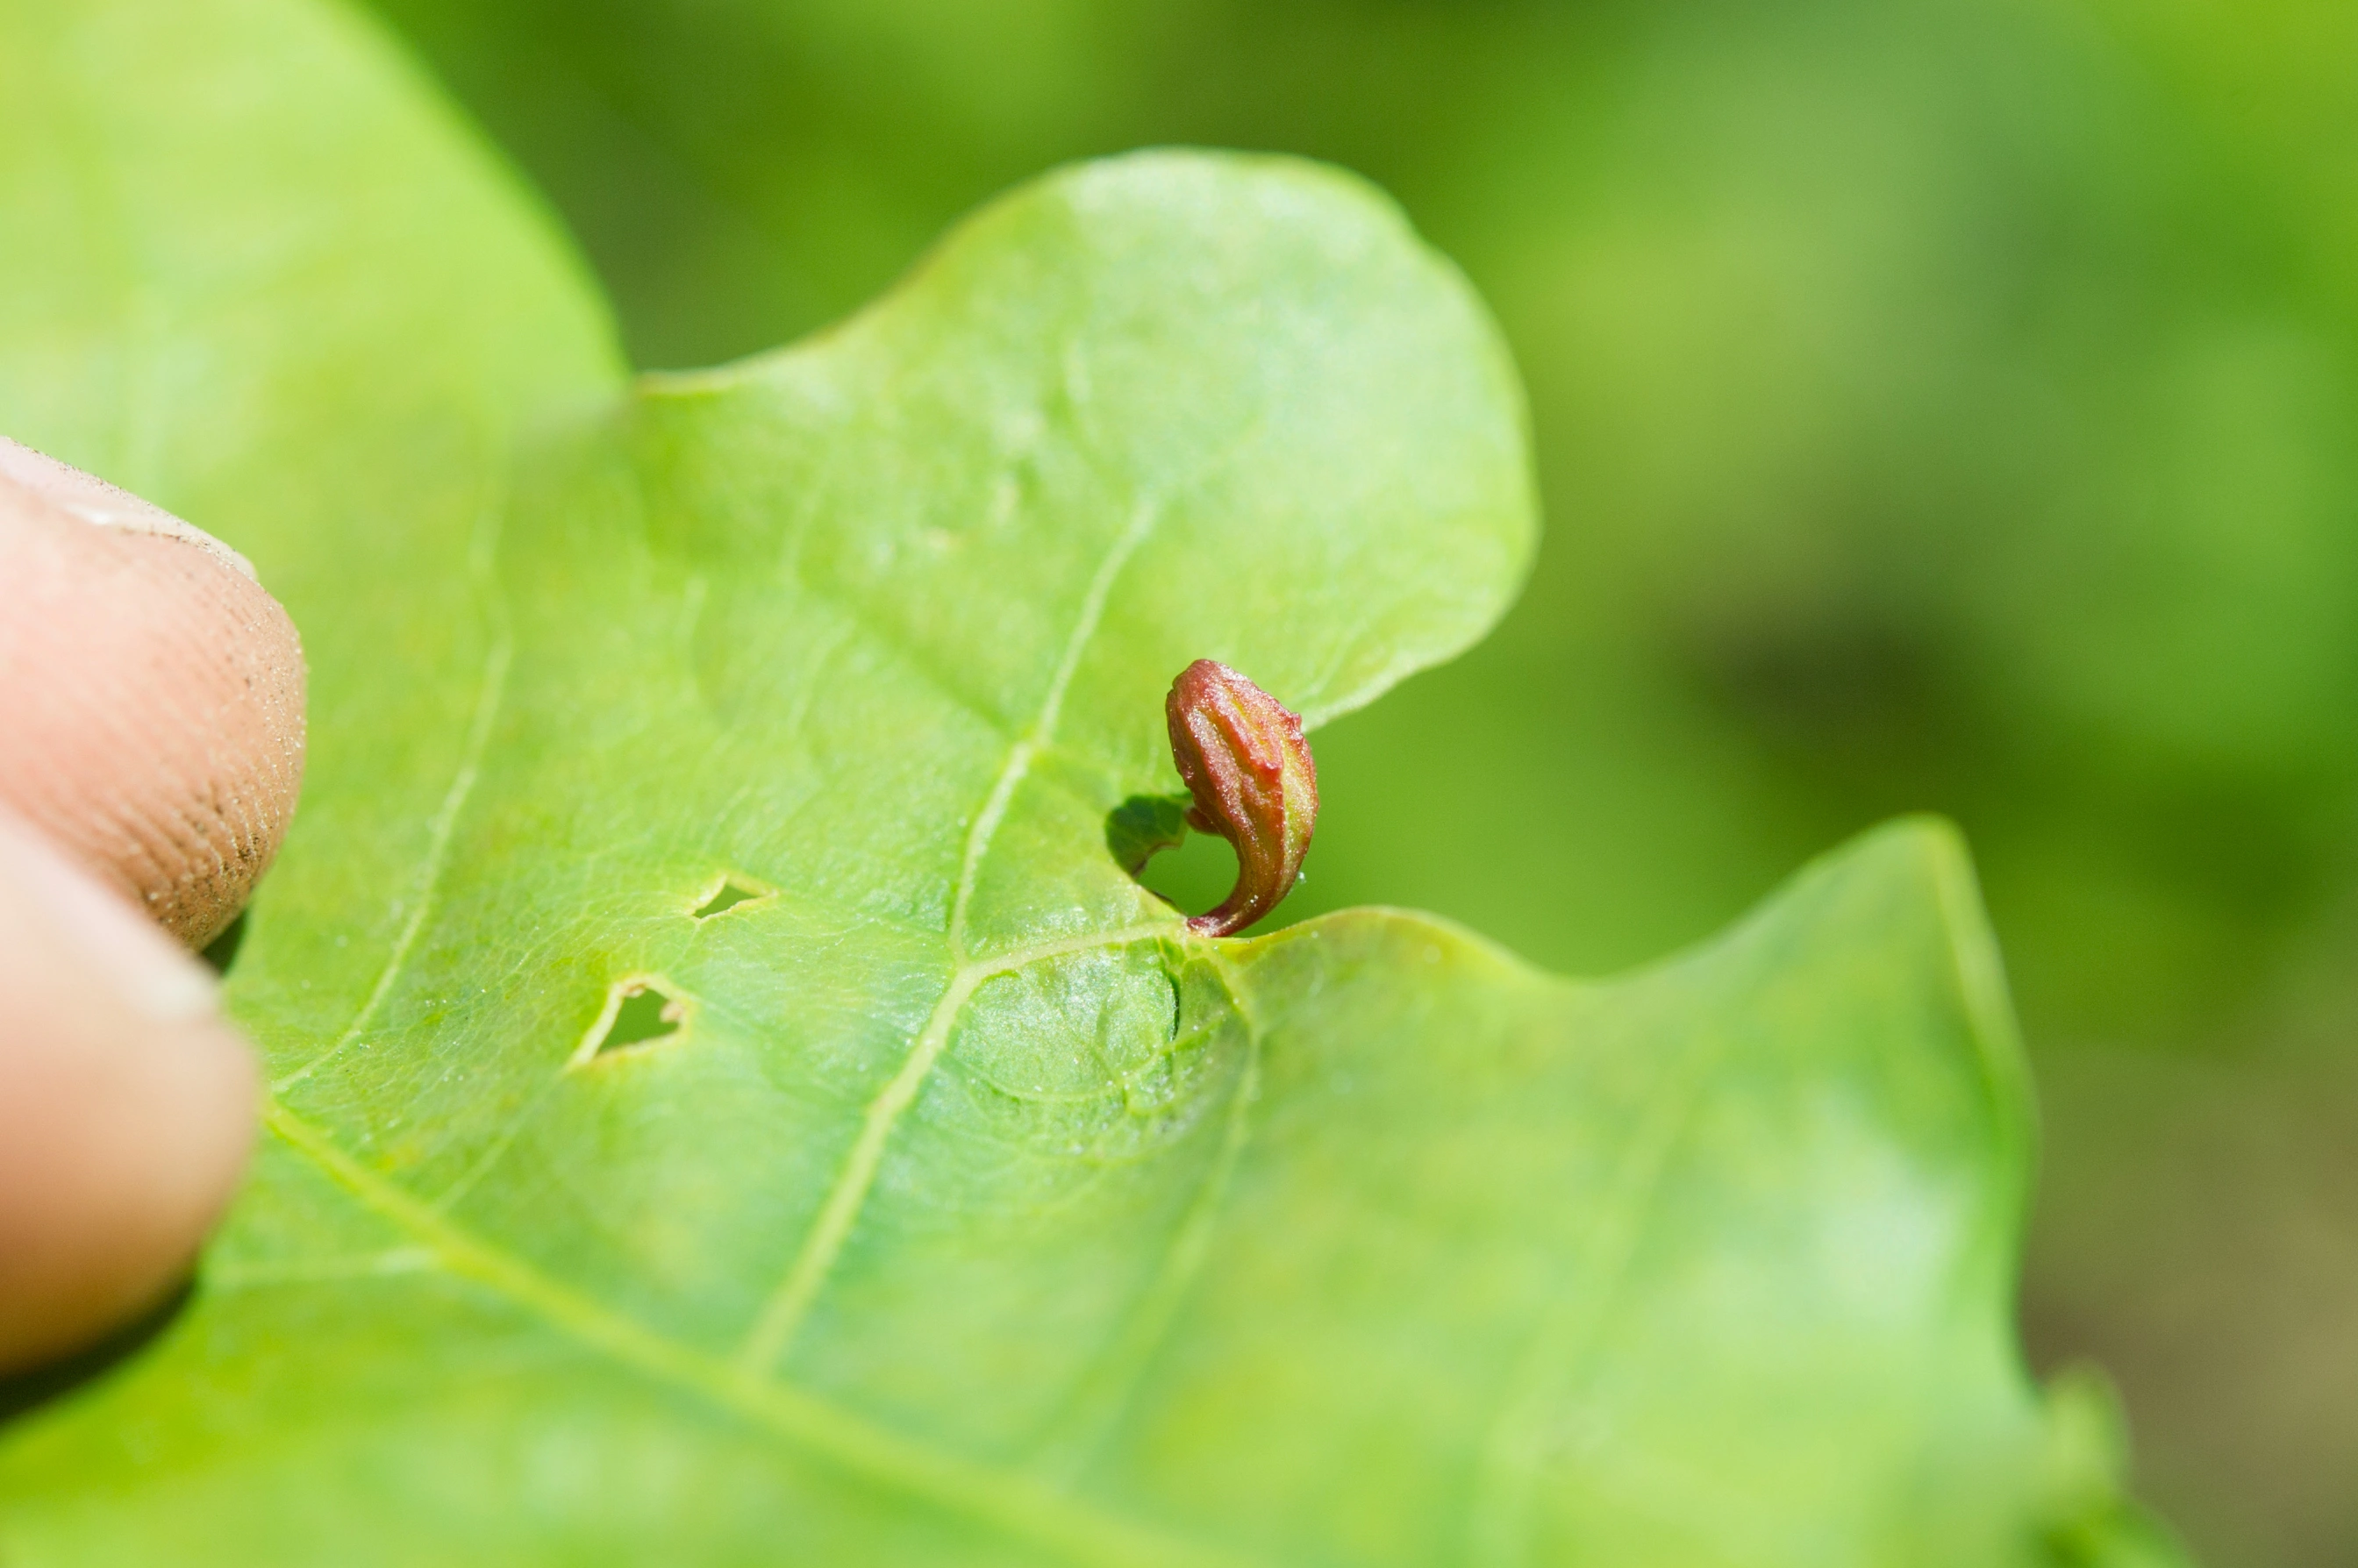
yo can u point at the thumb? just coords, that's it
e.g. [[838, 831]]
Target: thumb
[[126, 1106]]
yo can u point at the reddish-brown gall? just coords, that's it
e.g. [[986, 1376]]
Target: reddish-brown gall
[[1244, 762]]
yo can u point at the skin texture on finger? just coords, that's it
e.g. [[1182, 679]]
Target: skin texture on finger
[[126, 1106], [153, 694]]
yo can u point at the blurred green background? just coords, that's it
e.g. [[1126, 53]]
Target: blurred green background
[[1940, 403]]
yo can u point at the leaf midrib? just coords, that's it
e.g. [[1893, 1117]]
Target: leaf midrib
[[773, 1328]]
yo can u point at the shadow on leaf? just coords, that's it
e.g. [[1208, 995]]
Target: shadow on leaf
[[24, 1393]]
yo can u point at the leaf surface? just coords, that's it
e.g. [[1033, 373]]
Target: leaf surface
[[730, 1105]]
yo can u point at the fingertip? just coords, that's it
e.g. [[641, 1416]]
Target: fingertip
[[87, 499], [155, 694]]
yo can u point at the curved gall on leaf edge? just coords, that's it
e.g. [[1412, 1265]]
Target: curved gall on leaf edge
[[1243, 758]]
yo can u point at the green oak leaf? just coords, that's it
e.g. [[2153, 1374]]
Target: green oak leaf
[[730, 1102]]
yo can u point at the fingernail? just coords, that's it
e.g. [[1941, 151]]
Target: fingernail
[[150, 973], [92, 499]]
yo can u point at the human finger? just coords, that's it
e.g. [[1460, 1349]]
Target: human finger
[[153, 694], [126, 1105]]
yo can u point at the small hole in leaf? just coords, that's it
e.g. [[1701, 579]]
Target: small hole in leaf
[[643, 1016], [728, 896], [638, 1012]]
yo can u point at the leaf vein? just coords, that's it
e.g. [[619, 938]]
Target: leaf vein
[[782, 1315], [1109, 1389], [774, 1329], [1006, 1500], [437, 857], [1044, 728]]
